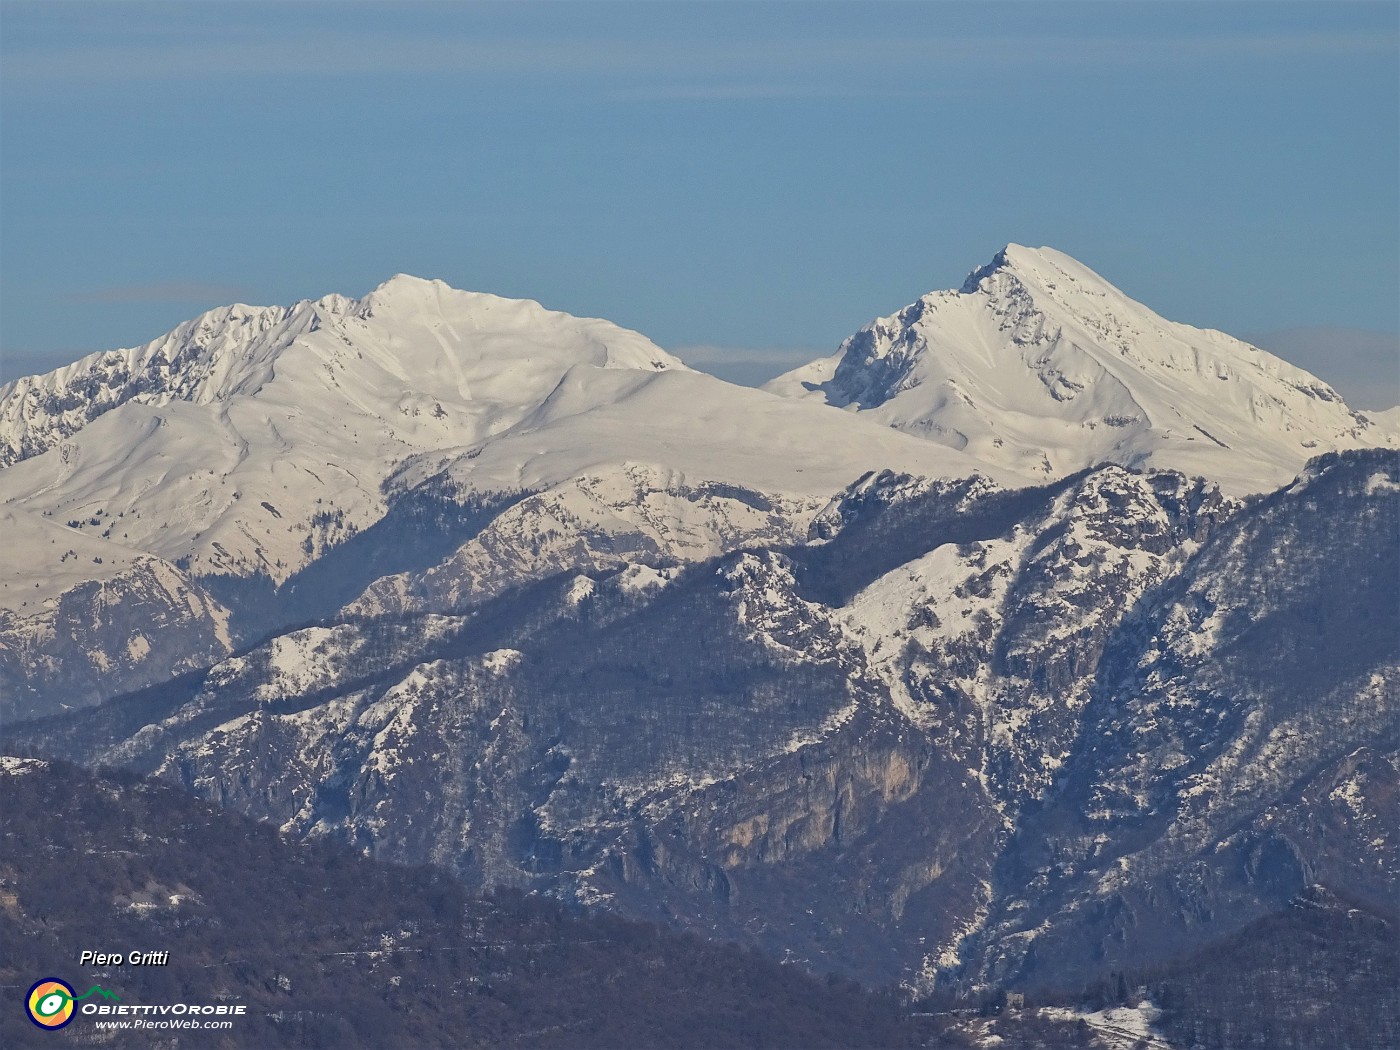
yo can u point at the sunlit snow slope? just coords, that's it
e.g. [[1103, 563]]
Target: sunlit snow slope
[[250, 440], [1039, 364]]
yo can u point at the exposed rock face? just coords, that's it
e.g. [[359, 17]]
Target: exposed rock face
[[996, 641], [1240, 730], [103, 638], [963, 733]]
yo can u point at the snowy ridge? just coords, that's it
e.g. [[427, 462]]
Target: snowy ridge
[[248, 441], [699, 427], [216, 355], [1040, 365], [261, 439], [235, 350], [643, 519]]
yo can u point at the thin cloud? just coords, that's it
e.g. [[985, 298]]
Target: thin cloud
[[694, 63], [747, 365], [323, 56], [776, 355], [165, 292]]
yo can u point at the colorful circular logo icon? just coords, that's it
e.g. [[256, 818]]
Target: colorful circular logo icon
[[50, 1003]]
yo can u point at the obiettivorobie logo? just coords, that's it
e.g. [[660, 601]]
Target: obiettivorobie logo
[[50, 1002]]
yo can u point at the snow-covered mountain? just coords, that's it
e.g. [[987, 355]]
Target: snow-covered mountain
[[969, 733], [84, 617], [1040, 365], [249, 442], [461, 580]]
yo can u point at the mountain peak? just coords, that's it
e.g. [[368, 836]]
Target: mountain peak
[[407, 290], [420, 343], [408, 286], [1041, 365], [1042, 269], [1002, 260], [407, 280], [429, 300]]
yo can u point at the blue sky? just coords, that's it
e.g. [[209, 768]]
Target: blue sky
[[745, 183]]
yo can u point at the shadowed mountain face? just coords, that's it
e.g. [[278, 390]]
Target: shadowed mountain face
[[321, 947], [1240, 742], [1320, 972], [969, 735]]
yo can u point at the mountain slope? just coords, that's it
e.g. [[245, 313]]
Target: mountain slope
[[1039, 364], [1242, 740], [592, 624], [83, 616], [247, 442], [246, 445], [855, 750], [322, 947]]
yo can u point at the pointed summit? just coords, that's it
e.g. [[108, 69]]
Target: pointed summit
[[1043, 271], [1000, 261], [1041, 365]]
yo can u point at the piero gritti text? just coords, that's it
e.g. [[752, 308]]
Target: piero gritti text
[[92, 958]]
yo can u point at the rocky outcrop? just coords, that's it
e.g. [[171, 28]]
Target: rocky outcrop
[[103, 638]]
